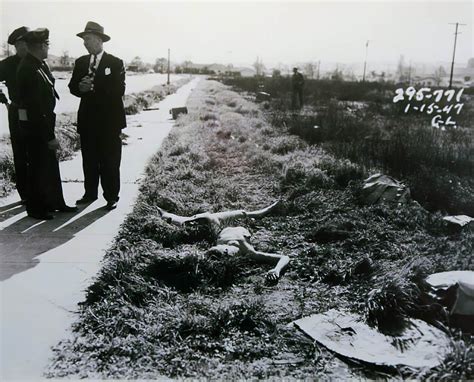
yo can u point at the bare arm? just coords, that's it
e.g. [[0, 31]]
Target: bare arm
[[281, 261]]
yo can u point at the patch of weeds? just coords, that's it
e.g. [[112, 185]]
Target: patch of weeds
[[188, 272]]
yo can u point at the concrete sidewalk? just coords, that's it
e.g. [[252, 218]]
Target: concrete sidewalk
[[45, 266]]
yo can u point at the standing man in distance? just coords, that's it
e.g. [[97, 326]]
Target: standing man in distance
[[37, 100], [99, 80], [8, 68], [298, 84]]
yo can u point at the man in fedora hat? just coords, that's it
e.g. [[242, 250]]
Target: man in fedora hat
[[99, 80], [297, 81], [37, 99], [8, 68]]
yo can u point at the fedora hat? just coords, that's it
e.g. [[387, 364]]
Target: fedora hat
[[97, 29], [17, 35]]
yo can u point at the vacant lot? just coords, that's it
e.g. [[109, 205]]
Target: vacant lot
[[160, 307]]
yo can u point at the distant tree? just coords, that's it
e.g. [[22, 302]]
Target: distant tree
[[439, 73], [186, 65], [161, 65], [259, 67], [276, 73], [310, 69], [6, 49], [401, 69], [137, 65], [284, 69], [337, 75]]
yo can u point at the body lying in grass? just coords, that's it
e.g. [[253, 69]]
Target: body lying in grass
[[234, 241]]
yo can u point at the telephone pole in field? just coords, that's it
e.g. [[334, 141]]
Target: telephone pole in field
[[168, 82], [454, 52]]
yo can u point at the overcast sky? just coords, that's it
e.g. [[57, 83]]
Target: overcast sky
[[238, 32]]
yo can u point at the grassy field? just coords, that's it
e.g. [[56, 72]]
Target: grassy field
[[161, 307], [360, 122]]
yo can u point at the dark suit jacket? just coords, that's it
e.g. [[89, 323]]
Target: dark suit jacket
[[37, 96], [8, 68], [103, 107]]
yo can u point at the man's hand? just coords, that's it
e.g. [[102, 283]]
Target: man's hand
[[3, 98], [86, 85], [53, 144]]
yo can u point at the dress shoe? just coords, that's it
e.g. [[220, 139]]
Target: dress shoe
[[40, 215], [86, 199], [66, 208], [111, 205]]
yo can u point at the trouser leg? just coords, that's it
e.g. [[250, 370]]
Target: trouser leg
[[90, 163], [19, 149], [300, 98], [37, 176], [110, 158], [54, 186]]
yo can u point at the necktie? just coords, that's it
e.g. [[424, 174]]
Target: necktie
[[92, 68]]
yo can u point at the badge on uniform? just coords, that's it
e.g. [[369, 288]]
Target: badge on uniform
[[107, 71], [22, 115]]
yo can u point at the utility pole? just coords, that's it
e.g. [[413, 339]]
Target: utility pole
[[168, 82], [454, 53], [409, 74], [365, 62]]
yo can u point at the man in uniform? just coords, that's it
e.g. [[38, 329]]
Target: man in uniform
[[298, 84], [37, 99], [8, 68], [99, 80]]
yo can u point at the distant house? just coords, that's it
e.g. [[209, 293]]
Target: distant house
[[426, 81], [63, 62], [246, 72]]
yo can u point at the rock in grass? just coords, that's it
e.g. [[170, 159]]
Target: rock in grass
[[328, 234], [364, 267]]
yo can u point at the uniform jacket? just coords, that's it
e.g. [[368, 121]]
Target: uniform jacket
[[36, 98], [8, 68], [103, 107]]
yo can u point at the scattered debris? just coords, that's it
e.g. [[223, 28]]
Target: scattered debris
[[455, 291], [262, 96], [380, 188], [420, 346], [459, 221], [177, 111]]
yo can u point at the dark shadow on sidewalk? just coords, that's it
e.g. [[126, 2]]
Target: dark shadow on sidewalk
[[10, 210], [24, 240]]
